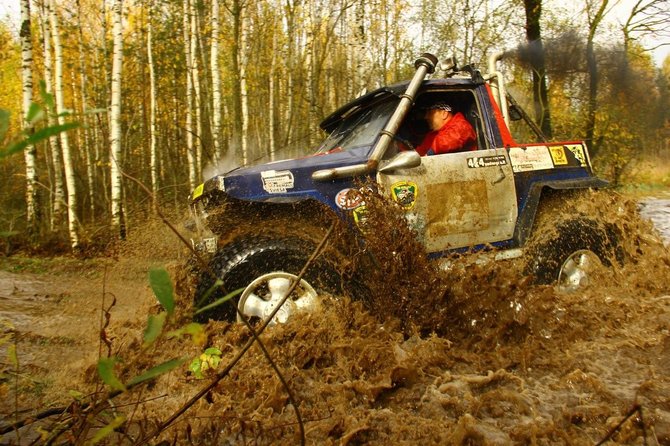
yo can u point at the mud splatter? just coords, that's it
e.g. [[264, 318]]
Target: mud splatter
[[477, 354]]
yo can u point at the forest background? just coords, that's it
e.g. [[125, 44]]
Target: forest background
[[169, 92]]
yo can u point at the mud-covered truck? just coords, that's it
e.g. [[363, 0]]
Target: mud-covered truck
[[258, 225]]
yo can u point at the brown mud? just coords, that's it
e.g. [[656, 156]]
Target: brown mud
[[507, 361]]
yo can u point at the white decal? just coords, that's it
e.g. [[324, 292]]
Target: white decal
[[530, 158], [277, 181], [222, 185], [487, 161], [348, 199]]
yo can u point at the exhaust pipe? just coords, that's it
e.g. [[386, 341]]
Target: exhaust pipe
[[424, 65]]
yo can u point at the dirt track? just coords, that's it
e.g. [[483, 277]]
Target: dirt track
[[521, 364]]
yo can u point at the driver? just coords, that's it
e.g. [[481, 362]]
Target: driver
[[448, 133]]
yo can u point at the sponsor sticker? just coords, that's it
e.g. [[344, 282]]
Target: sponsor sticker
[[348, 199], [360, 215], [578, 151], [487, 161], [277, 181], [558, 155], [404, 193], [530, 158], [222, 185]]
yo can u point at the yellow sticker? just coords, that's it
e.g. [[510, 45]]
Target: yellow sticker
[[405, 193], [558, 156], [360, 215], [198, 191]]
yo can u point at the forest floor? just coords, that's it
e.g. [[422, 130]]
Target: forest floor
[[520, 364]]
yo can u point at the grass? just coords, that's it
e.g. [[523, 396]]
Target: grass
[[41, 265], [649, 176]]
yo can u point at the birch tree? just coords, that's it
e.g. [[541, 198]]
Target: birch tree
[[85, 145], [64, 139], [244, 94], [118, 221], [153, 150], [188, 56], [57, 201], [197, 92], [30, 153], [216, 81]]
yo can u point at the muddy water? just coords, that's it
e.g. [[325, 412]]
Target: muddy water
[[508, 362], [657, 209]]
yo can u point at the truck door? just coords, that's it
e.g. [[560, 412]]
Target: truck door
[[458, 199]]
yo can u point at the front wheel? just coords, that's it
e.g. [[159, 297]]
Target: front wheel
[[572, 255], [260, 298], [264, 267]]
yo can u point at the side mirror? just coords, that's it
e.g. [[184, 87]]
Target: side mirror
[[403, 160]]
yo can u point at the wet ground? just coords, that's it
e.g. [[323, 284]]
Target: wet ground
[[516, 363]]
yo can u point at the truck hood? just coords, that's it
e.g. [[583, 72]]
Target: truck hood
[[285, 180]]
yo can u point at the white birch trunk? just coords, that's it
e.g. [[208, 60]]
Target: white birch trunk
[[64, 139], [153, 149], [309, 67], [216, 82], [190, 150], [30, 153], [244, 95], [118, 223], [271, 99], [58, 192], [195, 77], [90, 172], [288, 111]]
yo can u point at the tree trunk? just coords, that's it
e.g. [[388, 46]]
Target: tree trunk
[[153, 149], [118, 220], [537, 63], [57, 187], [244, 94], [190, 149], [30, 153], [86, 145], [289, 115], [216, 82], [592, 67], [271, 99], [64, 139], [195, 78]]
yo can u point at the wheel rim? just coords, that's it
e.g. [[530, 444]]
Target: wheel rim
[[577, 272], [261, 296]]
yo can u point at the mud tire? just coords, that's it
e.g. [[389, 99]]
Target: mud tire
[[546, 258], [240, 262]]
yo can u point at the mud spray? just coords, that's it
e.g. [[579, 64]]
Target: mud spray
[[475, 355]]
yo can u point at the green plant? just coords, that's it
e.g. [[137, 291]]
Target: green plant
[[208, 360], [31, 135]]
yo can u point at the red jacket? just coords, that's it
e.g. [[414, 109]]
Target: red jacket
[[457, 135]]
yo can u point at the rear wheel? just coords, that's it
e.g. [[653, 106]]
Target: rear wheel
[[264, 268], [572, 255]]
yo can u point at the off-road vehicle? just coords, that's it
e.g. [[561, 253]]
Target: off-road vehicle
[[483, 200]]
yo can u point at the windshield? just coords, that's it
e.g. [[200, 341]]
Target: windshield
[[360, 128]]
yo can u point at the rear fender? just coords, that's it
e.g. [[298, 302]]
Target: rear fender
[[538, 191]]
